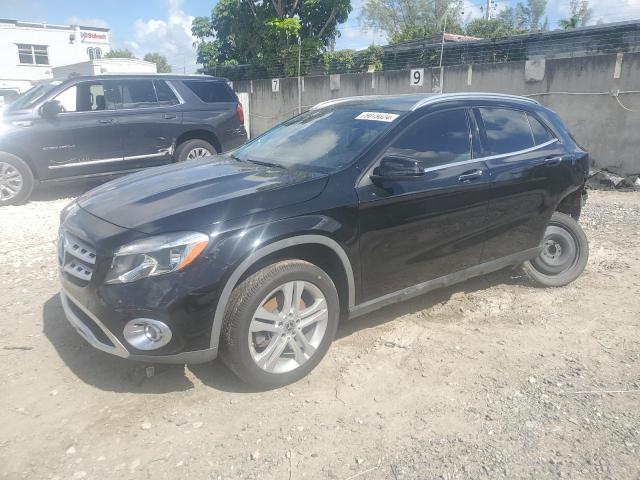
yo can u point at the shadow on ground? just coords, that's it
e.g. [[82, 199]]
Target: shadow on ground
[[111, 373]]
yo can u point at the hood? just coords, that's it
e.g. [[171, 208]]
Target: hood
[[195, 194]]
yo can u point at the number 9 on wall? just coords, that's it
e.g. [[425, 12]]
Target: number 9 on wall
[[416, 78]]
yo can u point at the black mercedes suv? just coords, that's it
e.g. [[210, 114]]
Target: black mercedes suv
[[358, 203], [112, 124]]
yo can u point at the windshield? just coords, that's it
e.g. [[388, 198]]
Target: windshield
[[323, 140], [31, 96]]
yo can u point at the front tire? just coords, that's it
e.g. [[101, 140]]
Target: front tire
[[279, 324], [16, 180], [194, 149], [564, 255]]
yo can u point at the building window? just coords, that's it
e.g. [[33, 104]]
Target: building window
[[33, 54], [95, 53]]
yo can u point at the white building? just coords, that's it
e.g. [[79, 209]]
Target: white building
[[30, 51], [104, 65]]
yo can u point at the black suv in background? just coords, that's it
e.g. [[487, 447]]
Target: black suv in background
[[356, 204], [112, 124]]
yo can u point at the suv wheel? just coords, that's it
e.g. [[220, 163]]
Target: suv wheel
[[193, 149], [279, 324], [564, 255], [16, 180]]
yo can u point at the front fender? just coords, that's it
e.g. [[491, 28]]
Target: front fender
[[244, 247]]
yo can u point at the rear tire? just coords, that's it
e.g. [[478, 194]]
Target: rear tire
[[270, 342], [194, 149], [16, 180], [564, 255]]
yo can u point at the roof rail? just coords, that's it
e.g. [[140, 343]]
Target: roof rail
[[336, 101], [471, 96]]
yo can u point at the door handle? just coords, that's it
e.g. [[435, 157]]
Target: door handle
[[105, 120], [470, 175], [554, 160], [169, 116]]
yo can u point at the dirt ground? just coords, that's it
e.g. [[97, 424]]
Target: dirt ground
[[492, 378]]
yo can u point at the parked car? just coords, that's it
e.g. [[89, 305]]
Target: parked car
[[359, 203], [112, 124]]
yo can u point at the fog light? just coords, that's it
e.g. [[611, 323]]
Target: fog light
[[147, 334]]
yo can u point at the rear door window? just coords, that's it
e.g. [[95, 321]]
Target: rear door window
[[437, 139], [210, 91], [138, 93], [507, 130]]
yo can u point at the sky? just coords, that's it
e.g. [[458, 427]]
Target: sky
[[163, 26]]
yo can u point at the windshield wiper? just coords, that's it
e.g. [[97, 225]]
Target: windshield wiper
[[258, 162]]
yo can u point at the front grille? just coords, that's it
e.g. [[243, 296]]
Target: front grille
[[77, 258]]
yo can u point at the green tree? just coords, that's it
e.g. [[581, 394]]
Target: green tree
[[119, 53], [372, 56], [265, 33], [406, 19], [160, 60], [529, 16], [490, 28], [580, 15]]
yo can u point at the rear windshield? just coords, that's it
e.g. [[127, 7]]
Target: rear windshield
[[211, 92]]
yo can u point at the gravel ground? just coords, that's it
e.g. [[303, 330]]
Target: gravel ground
[[492, 378]]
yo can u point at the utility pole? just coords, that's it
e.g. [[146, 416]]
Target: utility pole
[[299, 78], [488, 10], [444, 34]]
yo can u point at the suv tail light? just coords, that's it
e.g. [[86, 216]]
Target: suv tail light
[[240, 112]]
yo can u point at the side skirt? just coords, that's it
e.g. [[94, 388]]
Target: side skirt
[[445, 281]]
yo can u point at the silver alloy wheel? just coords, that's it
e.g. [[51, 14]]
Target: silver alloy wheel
[[288, 327], [198, 152], [10, 181]]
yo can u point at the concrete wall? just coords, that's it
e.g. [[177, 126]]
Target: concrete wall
[[578, 89]]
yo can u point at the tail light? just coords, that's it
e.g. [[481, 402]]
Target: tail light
[[240, 112]]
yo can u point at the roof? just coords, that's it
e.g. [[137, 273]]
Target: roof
[[51, 26], [164, 76], [412, 101]]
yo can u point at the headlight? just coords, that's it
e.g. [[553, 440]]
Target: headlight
[[157, 255]]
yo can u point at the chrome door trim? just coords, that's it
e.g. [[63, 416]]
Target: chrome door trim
[[109, 160], [484, 159], [491, 157]]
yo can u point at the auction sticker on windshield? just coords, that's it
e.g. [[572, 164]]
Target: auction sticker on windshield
[[377, 116]]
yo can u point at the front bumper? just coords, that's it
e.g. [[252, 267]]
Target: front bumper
[[96, 333]]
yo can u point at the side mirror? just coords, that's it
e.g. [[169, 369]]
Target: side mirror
[[51, 109], [397, 168]]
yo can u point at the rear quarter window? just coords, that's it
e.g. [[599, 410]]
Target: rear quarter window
[[540, 133], [209, 91], [164, 93]]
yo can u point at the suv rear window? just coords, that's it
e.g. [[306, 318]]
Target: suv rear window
[[209, 91], [507, 130]]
